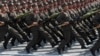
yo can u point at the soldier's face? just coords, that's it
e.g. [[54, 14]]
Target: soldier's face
[[71, 6], [11, 7], [47, 6], [3, 9], [29, 5], [36, 9], [51, 5], [67, 0], [59, 3], [6, 6], [62, 1], [82, 3], [44, 0], [79, 5], [41, 8], [55, 4], [65, 8], [74, 5], [87, 1], [25, 5], [19, 7]]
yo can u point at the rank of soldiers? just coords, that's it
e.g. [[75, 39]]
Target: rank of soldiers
[[59, 22]]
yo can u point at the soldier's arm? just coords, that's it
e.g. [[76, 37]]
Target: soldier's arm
[[62, 18], [33, 24], [34, 21], [98, 26], [64, 24]]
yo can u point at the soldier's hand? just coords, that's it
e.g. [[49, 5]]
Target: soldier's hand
[[35, 23], [98, 26], [64, 24], [59, 26], [1, 23]]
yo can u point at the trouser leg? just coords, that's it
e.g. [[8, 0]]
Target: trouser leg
[[7, 40], [78, 37], [13, 41], [34, 40], [84, 36], [46, 36], [25, 36], [52, 34], [66, 39], [97, 44]]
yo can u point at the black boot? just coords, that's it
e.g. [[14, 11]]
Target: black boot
[[39, 45], [89, 43], [12, 43], [57, 42], [22, 41], [83, 47], [68, 45], [59, 51], [27, 50], [5, 45], [63, 49], [34, 47], [98, 50], [92, 52], [53, 45]]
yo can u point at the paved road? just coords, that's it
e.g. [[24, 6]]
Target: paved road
[[18, 50]]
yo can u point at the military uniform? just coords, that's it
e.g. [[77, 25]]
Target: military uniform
[[12, 32], [97, 23], [36, 32], [66, 30], [3, 29]]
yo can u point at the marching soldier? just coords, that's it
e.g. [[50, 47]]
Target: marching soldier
[[84, 28], [3, 26], [12, 32], [12, 15], [89, 23], [63, 20], [49, 24], [53, 22], [32, 21], [24, 7], [97, 25], [75, 29]]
